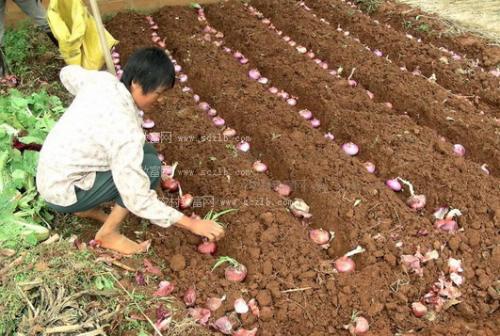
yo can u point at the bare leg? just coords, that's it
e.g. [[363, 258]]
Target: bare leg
[[95, 214], [110, 237]]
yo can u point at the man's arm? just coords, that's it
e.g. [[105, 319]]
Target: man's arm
[[134, 187]]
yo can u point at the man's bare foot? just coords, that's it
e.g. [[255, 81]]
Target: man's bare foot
[[117, 242], [95, 214]]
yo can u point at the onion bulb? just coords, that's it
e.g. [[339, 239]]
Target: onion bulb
[[243, 146], [148, 123], [283, 189], [459, 150], [344, 264], [306, 114], [254, 74], [218, 121], [207, 248], [259, 166], [394, 184], [370, 167], [350, 148], [240, 306], [418, 309], [319, 236], [229, 132]]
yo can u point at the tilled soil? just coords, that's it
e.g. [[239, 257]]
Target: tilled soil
[[404, 18], [456, 75], [343, 196]]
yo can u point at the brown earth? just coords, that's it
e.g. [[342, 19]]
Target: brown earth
[[263, 235], [455, 75], [403, 18]]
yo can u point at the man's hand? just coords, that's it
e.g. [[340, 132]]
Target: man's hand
[[202, 227]]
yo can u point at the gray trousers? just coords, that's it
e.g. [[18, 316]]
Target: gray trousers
[[32, 8], [104, 189]]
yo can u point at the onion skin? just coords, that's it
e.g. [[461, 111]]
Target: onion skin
[[165, 289], [215, 303], [254, 308], [236, 273], [207, 248], [224, 325], [190, 297], [244, 332], [344, 265], [200, 315], [448, 225]]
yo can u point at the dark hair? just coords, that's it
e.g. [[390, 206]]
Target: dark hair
[[149, 67]]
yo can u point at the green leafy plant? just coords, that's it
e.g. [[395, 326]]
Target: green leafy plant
[[17, 47], [225, 259], [424, 28], [368, 6], [214, 216], [28, 118], [102, 282]]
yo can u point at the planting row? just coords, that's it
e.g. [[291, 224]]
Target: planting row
[[287, 274], [394, 150], [427, 104], [265, 232], [451, 71], [432, 30], [205, 71]]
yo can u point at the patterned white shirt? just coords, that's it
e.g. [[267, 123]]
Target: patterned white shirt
[[100, 131]]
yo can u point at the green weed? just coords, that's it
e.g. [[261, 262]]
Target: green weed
[[368, 6]]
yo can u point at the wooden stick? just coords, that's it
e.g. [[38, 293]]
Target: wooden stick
[[63, 329], [51, 240], [102, 36], [122, 265], [16, 262]]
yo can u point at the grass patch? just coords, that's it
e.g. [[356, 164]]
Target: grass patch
[[479, 17], [33, 58], [368, 6]]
